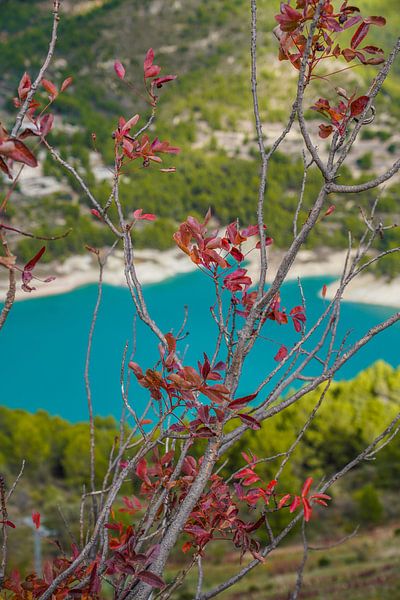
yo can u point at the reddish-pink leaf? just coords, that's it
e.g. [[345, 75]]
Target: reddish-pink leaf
[[135, 368], [139, 216], [242, 401], [24, 86], [372, 50], [46, 124], [289, 18], [4, 168], [8, 523], [16, 150], [237, 255], [306, 486], [66, 83], [50, 88], [159, 81], [249, 420], [330, 210], [150, 70], [96, 214], [358, 105], [295, 504], [377, 60], [319, 496], [31, 264], [380, 21], [130, 123], [325, 131], [250, 479], [307, 509], [119, 69], [36, 519], [94, 582], [359, 35], [186, 547], [151, 579], [141, 469], [324, 290], [349, 54], [283, 500], [281, 354], [148, 61]]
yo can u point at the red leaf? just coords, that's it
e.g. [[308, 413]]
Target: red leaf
[[306, 486], [135, 368], [242, 401], [150, 70], [143, 217], [159, 81], [141, 469], [96, 214], [94, 582], [36, 519], [130, 123], [378, 60], [295, 504], [325, 131], [237, 255], [358, 105], [148, 61], [4, 168], [281, 354], [324, 290], [50, 88], [46, 123], [151, 579], [289, 18], [379, 21], [251, 421], [307, 509], [372, 50], [283, 500], [319, 496], [31, 264], [24, 86], [119, 69], [348, 54], [66, 83], [330, 210], [359, 35], [16, 150], [8, 523]]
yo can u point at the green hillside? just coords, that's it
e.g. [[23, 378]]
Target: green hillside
[[207, 111]]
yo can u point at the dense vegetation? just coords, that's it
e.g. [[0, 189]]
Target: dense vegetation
[[56, 453], [208, 46]]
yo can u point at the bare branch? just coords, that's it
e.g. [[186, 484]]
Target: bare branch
[[24, 108]]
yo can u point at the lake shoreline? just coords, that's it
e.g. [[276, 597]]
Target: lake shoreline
[[154, 266]]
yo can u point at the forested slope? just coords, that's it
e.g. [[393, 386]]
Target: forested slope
[[207, 111]]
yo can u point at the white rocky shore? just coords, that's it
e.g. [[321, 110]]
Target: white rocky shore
[[153, 266]]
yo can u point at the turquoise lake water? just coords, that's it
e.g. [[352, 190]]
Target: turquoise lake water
[[43, 343]]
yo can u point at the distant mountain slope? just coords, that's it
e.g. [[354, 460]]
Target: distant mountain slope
[[206, 42], [207, 110]]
